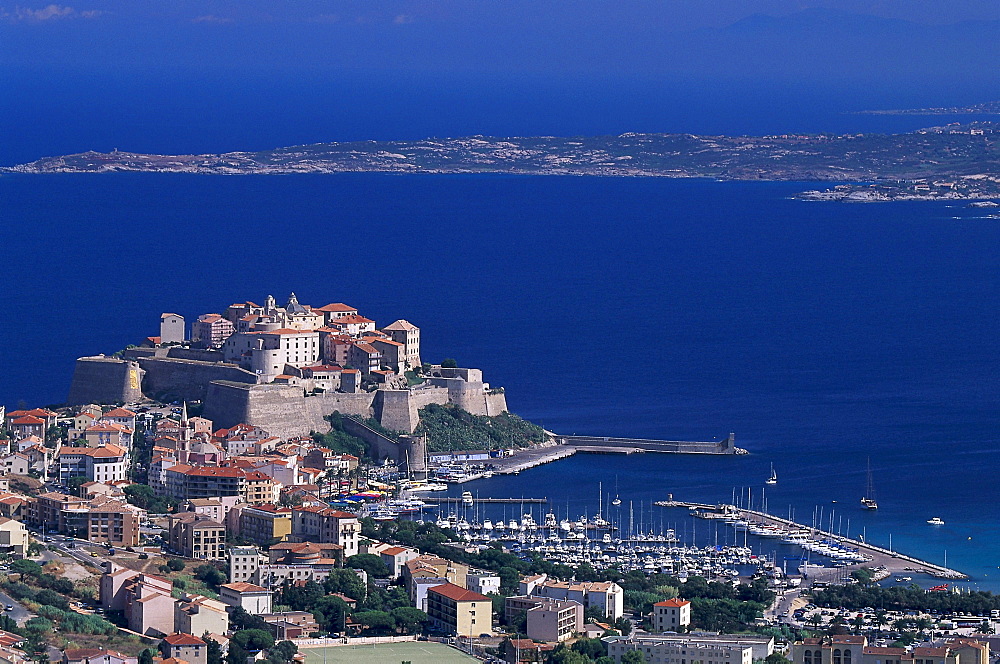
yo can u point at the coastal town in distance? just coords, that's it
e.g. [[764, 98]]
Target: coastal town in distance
[[273, 479]]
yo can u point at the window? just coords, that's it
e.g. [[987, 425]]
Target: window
[[847, 656], [836, 656]]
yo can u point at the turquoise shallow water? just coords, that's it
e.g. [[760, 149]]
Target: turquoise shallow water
[[822, 334]]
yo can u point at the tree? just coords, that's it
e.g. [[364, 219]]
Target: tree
[[253, 640], [370, 563], [175, 564], [379, 622], [300, 598], [449, 363], [213, 652], [26, 567], [634, 657], [777, 658], [330, 613], [345, 582], [409, 619], [592, 648], [283, 651], [604, 660], [210, 575], [146, 656]]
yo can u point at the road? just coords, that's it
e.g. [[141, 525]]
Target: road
[[19, 614]]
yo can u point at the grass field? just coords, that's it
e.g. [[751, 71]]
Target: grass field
[[417, 652]]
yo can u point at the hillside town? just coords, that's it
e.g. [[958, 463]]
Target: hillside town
[[140, 532]]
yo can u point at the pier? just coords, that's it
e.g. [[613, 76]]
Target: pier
[[566, 446], [893, 561]]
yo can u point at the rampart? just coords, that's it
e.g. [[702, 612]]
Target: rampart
[[173, 379], [101, 379], [408, 451], [283, 410]]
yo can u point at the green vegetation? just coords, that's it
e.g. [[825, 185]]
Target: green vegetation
[[338, 440], [449, 427], [907, 598], [141, 495]]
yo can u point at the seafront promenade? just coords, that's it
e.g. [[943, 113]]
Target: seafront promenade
[[893, 561]]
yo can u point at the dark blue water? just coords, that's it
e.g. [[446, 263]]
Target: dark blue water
[[822, 334]]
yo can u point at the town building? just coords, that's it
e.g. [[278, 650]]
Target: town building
[[837, 649], [484, 583], [298, 561], [172, 328], [460, 611], [187, 647], [265, 524], [407, 334], [395, 557], [194, 535], [291, 624], [323, 524], [13, 538], [98, 464], [657, 650], [604, 595], [211, 331], [672, 615], [95, 656], [250, 597], [197, 614], [243, 562]]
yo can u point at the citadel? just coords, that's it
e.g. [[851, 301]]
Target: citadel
[[285, 368]]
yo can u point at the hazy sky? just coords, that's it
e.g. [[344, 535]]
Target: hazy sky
[[230, 74], [642, 36]]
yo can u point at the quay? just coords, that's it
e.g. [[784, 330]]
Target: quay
[[566, 446], [503, 501], [892, 561]]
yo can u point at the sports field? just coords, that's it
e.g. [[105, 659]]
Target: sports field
[[417, 652]]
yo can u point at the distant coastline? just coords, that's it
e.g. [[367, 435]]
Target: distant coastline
[[951, 162], [986, 108]]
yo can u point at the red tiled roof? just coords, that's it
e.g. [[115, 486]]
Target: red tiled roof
[[181, 639], [675, 603], [458, 594]]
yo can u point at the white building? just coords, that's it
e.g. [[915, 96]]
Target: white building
[[607, 596], [252, 598], [658, 650], [483, 583], [672, 615], [243, 562], [98, 464]]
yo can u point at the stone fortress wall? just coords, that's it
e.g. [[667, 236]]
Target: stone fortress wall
[[232, 396]]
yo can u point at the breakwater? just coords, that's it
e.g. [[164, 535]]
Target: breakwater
[[892, 561], [566, 446]]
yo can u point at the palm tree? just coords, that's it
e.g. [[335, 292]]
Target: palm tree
[[815, 620]]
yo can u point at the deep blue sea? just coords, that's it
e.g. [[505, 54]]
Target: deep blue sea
[[822, 334]]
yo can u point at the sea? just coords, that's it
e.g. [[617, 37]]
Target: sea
[[827, 336]]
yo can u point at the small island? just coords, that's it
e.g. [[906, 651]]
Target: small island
[[958, 161]]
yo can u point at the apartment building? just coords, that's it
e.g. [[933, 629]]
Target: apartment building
[[265, 524], [98, 464], [323, 524], [460, 611], [656, 650], [196, 536]]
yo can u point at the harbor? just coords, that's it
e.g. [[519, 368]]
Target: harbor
[[818, 540]]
